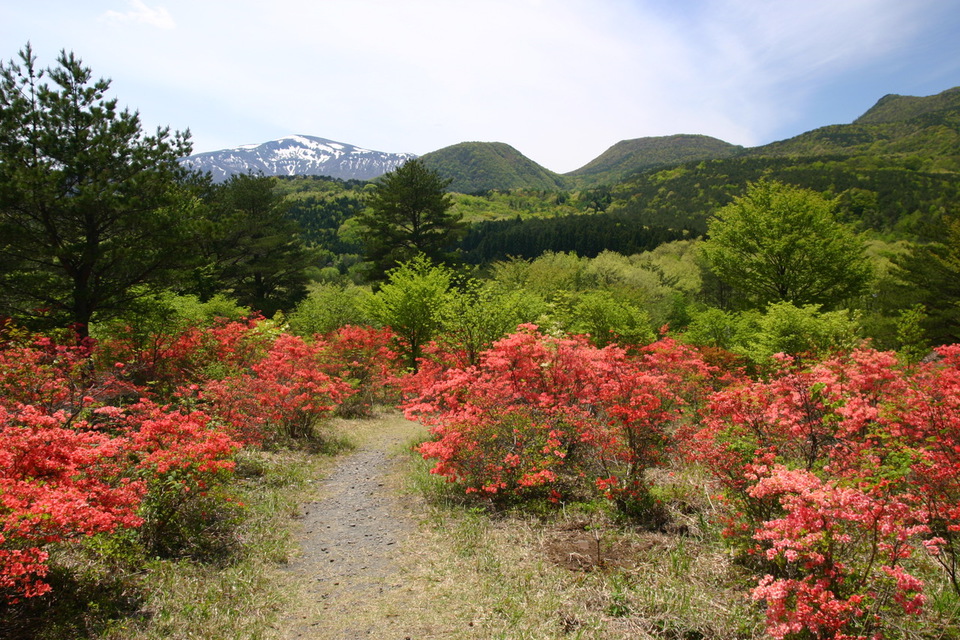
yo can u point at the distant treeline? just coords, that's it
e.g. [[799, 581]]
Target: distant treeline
[[904, 196], [320, 219], [887, 194], [587, 235]]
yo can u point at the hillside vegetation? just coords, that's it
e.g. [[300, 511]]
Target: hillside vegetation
[[633, 156], [925, 129], [883, 193], [474, 167], [893, 172]]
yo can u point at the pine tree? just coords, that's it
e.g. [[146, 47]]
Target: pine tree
[[91, 209], [408, 214], [250, 247]]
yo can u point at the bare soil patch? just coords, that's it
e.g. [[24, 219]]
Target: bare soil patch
[[579, 548]]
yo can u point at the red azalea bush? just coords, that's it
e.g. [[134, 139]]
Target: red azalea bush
[[556, 415], [837, 473], [835, 554], [58, 481], [362, 357], [512, 422], [928, 418], [84, 452], [180, 455], [43, 373], [63, 478], [284, 393], [189, 354]]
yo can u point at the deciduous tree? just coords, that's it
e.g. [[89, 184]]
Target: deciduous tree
[[412, 303], [779, 243]]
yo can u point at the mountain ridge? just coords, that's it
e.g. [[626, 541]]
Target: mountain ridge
[[297, 155], [895, 170], [894, 125]]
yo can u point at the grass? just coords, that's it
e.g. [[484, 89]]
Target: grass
[[108, 588], [468, 571], [505, 572], [499, 572]]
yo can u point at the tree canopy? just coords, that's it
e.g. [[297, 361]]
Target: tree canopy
[[412, 304], [779, 243], [250, 247], [91, 209], [408, 214], [931, 273]]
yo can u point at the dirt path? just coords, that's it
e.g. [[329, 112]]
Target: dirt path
[[351, 536]]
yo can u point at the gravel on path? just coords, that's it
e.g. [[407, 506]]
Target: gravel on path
[[350, 536]]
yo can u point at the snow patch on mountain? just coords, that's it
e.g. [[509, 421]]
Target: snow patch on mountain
[[298, 155]]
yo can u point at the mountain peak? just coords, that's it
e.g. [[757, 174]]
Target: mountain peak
[[631, 156], [896, 108], [298, 155], [474, 167]]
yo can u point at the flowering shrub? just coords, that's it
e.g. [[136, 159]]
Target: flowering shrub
[[74, 464], [179, 456], [282, 394], [837, 552], [513, 422], [837, 473], [928, 415], [823, 419], [362, 357], [189, 354], [53, 377], [555, 415], [57, 483]]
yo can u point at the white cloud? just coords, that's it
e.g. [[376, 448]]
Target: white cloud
[[560, 80], [141, 13]]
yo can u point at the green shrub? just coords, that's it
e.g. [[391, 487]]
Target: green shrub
[[328, 307], [608, 320]]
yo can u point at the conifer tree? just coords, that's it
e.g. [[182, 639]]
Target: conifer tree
[[408, 214], [931, 278], [91, 209], [250, 247]]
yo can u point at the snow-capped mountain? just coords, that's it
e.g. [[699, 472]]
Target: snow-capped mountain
[[298, 155]]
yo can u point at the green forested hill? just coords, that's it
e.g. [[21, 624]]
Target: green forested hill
[[476, 167], [882, 193], [896, 169], [633, 156], [926, 129], [895, 108]]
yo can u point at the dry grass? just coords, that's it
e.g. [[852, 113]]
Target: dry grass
[[472, 574], [106, 588], [246, 598], [466, 572], [577, 574]]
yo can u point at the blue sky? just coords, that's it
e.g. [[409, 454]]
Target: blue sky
[[560, 80]]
